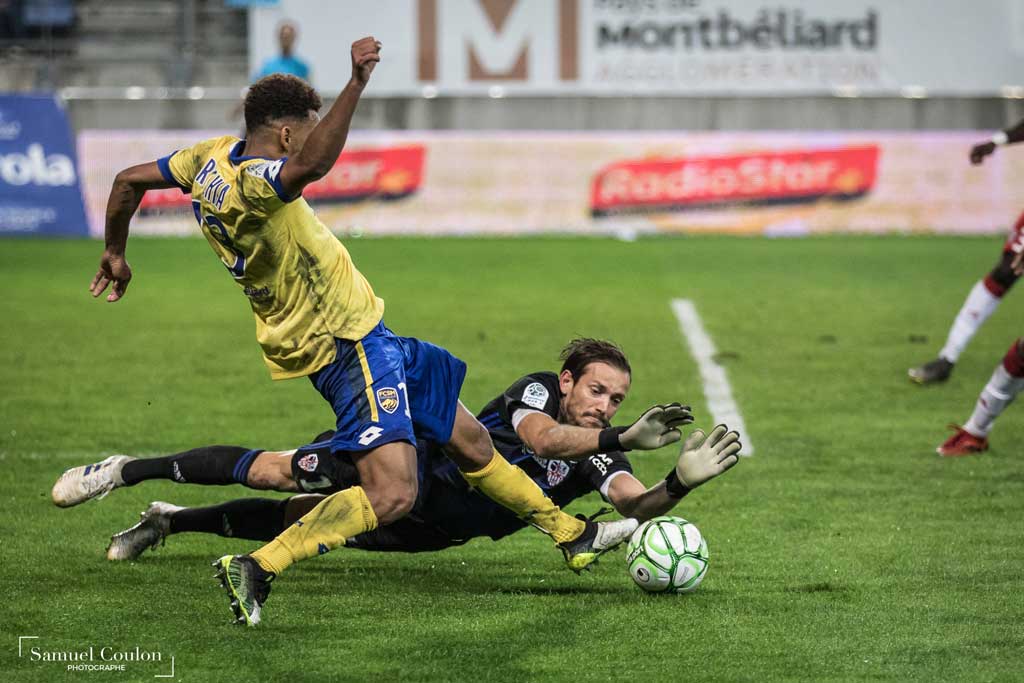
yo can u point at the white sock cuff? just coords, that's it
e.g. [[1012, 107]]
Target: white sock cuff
[[1003, 385]]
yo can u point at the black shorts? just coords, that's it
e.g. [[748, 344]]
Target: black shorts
[[316, 470], [408, 535]]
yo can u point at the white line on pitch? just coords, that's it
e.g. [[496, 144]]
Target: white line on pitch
[[716, 385]]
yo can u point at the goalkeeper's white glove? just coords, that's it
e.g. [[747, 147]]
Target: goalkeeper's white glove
[[703, 458], [657, 427]]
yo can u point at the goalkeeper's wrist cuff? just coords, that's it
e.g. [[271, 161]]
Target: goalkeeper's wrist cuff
[[675, 488], [608, 440]]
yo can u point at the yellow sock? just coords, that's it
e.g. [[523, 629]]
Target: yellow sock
[[509, 486], [339, 516]]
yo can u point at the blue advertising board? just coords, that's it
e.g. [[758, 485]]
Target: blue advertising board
[[39, 181]]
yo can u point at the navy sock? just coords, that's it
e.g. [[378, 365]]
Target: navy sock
[[211, 465], [257, 519]]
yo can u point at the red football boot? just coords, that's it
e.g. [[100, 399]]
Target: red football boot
[[962, 443]]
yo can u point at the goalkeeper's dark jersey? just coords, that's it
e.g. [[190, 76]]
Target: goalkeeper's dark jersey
[[447, 503]]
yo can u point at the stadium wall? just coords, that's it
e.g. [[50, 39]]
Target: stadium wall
[[585, 113], [751, 183]]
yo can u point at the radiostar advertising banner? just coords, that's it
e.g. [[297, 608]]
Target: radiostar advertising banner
[[39, 190], [751, 183], [658, 47]]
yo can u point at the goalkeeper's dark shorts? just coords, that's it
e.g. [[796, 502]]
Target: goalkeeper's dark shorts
[[407, 535], [316, 470]]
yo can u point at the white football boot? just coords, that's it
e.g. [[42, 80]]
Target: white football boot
[[150, 532], [597, 539], [80, 484]]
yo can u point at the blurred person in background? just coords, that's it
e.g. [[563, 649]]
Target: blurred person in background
[[286, 62], [987, 293], [10, 19]]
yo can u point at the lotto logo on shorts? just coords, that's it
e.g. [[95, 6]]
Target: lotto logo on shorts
[[387, 397], [309, 462]]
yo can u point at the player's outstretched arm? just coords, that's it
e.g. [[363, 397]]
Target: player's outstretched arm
[[702, 458], [657, 427], [325, 142], [1002, 137], [125, 195]]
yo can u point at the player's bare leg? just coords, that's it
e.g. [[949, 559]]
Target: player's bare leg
[[981, 303], [581, 540], [272, 470], [387, 493]]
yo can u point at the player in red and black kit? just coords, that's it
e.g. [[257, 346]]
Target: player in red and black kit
[[553, 426], [984, 298]]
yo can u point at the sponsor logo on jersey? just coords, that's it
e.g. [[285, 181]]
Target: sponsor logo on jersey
[[273, 169], [257, 169], [535, 395], [558, 470], [309, 462], [764, 178], [265, 169], [601, 463], [387, 397], [257, 292]]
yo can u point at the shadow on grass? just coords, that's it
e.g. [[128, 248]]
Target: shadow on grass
[[819, 587]]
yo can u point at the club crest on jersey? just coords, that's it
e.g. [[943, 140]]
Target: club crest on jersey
[[558, 470], [309, 462], [535, 395], [387, 397]]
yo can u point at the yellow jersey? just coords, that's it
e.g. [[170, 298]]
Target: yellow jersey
[[300, 280]]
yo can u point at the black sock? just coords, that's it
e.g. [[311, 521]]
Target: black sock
[[216, 465], [257, 519]]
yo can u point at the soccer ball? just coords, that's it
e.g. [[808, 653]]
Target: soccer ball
[[667, 555]]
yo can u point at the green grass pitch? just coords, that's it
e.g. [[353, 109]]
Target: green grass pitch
[[844, 549]]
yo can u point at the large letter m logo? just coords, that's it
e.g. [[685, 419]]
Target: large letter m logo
[[464, 41]]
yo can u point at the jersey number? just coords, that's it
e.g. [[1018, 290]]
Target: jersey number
[[405, 392], [216, 228]]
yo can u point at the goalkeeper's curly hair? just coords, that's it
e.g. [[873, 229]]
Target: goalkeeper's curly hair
[[279, 96], [579, 353]]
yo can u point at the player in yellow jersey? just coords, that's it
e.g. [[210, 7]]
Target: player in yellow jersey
[[317, 316]]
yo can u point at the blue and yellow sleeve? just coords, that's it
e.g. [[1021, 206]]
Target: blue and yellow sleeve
[[180, 167]]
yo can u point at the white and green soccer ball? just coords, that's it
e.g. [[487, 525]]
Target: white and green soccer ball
[[667, 555]]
